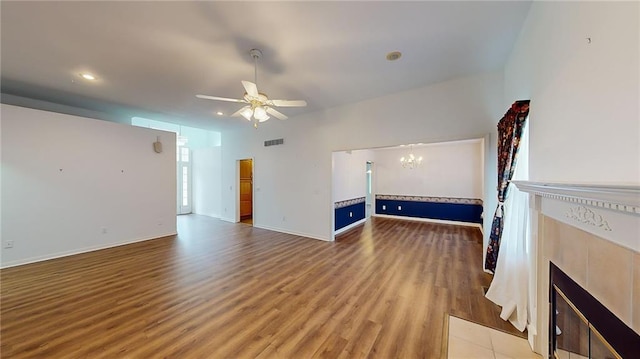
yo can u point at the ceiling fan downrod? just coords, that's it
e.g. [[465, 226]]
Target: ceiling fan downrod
[[256, 54]]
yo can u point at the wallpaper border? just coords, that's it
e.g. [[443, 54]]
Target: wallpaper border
[[429, 199], [349, 202]]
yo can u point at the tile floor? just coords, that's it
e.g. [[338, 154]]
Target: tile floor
[[471, 340], [567, 355]]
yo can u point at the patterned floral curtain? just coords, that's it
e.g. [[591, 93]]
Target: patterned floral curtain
[[509, 134]]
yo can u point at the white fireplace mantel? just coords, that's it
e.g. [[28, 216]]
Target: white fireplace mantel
[[609, 211]]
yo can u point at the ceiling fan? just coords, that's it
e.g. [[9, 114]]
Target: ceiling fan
[[259, 106]]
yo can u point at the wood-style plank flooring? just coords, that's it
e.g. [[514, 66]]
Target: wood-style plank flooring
[[222, 290]]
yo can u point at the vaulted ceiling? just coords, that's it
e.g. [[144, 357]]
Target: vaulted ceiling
[[152, 58]]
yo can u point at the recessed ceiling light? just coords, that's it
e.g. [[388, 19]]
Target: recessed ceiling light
[[87, 76], [219, 113], [394, 55]]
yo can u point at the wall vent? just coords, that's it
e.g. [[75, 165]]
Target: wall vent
[[279, 141]]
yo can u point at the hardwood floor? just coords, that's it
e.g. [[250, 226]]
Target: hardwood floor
[[222, 290]]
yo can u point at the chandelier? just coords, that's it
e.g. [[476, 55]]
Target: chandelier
[[411, 161]]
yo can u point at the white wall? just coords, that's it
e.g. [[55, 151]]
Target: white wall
[[490, 200], [584, 123], [60, 108], [1, 194], [66, 180], [199, 138], [449, 169], [293, 182], [196, 138], [584, 119], [350, 174], [206, 181], [205, 163]]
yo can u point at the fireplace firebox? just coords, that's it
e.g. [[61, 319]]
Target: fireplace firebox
[[581, 327]]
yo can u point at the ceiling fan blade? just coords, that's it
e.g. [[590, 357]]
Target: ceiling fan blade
[[289, 103], [237, 113], [206, 97], [251, 88], [276, 114]]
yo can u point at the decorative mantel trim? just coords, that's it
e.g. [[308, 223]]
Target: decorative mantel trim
[[617, 198], [610, 212], [585, 215]]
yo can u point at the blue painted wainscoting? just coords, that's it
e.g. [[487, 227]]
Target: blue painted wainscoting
[[349, 212], [442, 208]]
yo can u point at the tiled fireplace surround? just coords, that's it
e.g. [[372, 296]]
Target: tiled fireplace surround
[[592, 233]]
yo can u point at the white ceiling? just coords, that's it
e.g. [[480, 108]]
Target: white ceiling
[[152, 58]]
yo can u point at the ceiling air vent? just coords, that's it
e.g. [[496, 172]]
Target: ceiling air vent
[[279, 141]]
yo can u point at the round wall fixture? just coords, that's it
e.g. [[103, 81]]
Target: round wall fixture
[[394, 55]]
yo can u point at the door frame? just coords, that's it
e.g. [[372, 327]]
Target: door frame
[[253, 189], [180, 165], [369, 203]]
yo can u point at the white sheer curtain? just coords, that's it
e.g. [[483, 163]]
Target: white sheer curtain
[[510, 286]]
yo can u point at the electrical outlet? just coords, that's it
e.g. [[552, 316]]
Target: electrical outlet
[[350, 214], [8, 244], [104, 230], [399, 208], [384, 207]]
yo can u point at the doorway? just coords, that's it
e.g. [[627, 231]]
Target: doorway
[[246, 191], [368, 200], [184, 179]]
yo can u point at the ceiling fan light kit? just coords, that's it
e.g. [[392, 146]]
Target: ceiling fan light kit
[[260, 114], [258, 105], [246, 113]]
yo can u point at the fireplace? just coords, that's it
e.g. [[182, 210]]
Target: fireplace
[[581, 327], [586, 255]]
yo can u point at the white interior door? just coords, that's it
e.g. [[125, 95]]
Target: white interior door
[[184, 180]]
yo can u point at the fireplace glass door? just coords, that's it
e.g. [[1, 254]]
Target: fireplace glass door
[[575, 338]]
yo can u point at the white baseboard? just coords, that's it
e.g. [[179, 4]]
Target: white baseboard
[[441, 221], [354, 224], [275, 229], [78, 251], [212, 215]]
